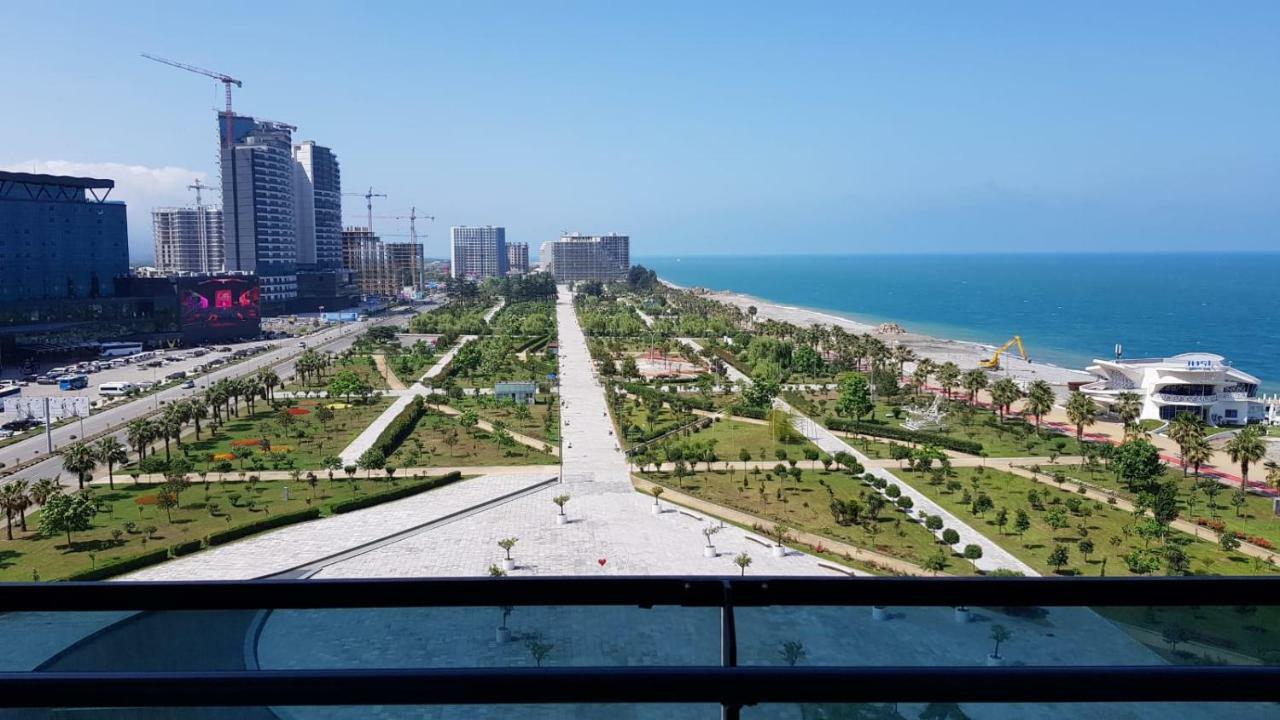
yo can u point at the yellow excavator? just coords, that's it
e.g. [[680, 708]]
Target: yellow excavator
[[994, 362]]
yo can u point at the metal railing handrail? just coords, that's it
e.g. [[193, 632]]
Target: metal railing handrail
[[642, 591]]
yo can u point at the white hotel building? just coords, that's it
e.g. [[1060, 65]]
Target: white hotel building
[[1199, 383]]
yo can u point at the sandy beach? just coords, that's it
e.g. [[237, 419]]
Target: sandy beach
[[963, 353]]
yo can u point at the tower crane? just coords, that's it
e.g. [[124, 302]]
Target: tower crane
[[226, 80], [412, 217], [368, 200], [198, 186]]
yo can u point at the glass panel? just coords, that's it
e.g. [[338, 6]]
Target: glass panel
[[1056, 636], [1012, 711]]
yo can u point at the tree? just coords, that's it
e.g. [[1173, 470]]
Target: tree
[[974, 381], [1004, 392], [67, 514], [345, 384], [743, 561], [13, 500], [110, 452], [79, 460], [973, 553], [1228, 541], [538, 649], [950, 536], [560, 501], [1082, 411], [948, 375], [792, 652], [935, 562], [1246, 448], [1059, 557], [1196, 453], [331, 463], [1040, 399], [1128, 406], [999, 634], [1002, 519], [370, 460], [1137, 463], [507, 543], [167, 499], [1185, 429], [855, 397]]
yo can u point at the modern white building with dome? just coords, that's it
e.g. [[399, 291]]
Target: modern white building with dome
[[1202, 384]]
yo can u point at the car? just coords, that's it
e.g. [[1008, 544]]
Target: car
[[47, 380], [146, 385], [30, 378], [189, 384], [224, 349]]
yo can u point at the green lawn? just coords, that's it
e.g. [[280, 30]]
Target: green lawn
[[540, 420], [637, 421], [1254, 518], [487, 360], [297, 442], [728, 437], [1112, 531], [806, 506], [428, 445], [130, 511]]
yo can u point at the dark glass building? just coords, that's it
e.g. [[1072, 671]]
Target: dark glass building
[[59, 238]]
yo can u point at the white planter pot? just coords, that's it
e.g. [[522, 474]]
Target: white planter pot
[[879, 613], [779, 551], [657, 509], [561, 519], [508, 564], [995, 661], [962, 615], [709, 551], [504, 635]]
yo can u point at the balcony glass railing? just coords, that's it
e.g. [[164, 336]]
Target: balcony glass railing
[[646, 647]]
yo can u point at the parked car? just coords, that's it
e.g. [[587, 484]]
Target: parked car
[[189, 384]]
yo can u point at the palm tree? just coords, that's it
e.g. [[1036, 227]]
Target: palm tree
[[1003, 394], [1196, 453], [43, 489], [1128, 406], [139, 436], [1040, 399], [1082, 412], [79, 460], [1185, 428], [110, 452], [270, 381], [948, 377], [974, 380], [13, 500], [196, 411], [167, 427], [1246, 448], [924, 369], [901, 354], [1273, 474]]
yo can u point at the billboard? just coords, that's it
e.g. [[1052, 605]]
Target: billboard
[[34, 407], [219, 307]]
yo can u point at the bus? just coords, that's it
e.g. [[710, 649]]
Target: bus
[[115, 389], [73, 382], [119, 349]]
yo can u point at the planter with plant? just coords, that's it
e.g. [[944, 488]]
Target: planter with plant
[[709, 550], [999, 634], [560, 501], [506, 544], [657, 491], [504, 632]]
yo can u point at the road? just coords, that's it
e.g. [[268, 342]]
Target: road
[[282, 359]]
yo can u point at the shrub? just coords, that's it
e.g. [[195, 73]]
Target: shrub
[[365, 501], [137, 562], [399, 428], [892, 432], [268, 523], [1261, 542], [186, 548]]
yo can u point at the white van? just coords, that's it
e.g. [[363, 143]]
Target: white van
[[115, 389]]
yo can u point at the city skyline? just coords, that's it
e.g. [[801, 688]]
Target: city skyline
[[1001, 128]]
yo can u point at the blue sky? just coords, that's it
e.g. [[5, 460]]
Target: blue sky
[[698, 128]]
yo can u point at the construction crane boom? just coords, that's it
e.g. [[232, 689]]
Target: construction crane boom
[[226, 80], [368, 199], [994, 362]]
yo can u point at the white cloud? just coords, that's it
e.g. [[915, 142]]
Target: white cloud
[[141, 187]]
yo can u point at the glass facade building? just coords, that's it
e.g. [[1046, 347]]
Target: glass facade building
[[478, 252], [59, 238], [317, 185], [188, 239], [259, 229], [574, 258]]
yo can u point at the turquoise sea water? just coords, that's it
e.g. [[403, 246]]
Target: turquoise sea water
[[1067, 308]]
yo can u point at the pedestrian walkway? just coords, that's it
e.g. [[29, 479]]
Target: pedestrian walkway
[[526, 440], [310, 542], [393, 380]]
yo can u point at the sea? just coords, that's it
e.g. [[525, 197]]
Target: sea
[[1068, 308]]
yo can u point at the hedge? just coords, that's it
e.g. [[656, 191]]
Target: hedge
[[267, 523], [399, 428], [346, 506], [186, 548], [137, 562], [891, 432], [748, 411]]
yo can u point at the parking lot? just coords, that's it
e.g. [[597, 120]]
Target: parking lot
[[157, 370]]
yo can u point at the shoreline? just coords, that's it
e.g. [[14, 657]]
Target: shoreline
[[964, 353]]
